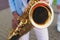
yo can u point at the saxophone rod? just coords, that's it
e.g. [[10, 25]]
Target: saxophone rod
[[21, 23], [15, 30]]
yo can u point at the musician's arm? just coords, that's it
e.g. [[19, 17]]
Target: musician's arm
[[12, 7]]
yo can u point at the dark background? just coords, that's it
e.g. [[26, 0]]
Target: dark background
[[3, 4]]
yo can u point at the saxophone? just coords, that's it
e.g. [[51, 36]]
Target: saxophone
[[23, 21], [32, 18]]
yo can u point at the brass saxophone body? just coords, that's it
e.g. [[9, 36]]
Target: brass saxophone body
[[28, 19], [23, 20]]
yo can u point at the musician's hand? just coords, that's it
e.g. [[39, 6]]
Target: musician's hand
[[15, 14], [14, 20]]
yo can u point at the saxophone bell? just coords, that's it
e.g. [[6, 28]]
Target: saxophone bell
[[41, 15]]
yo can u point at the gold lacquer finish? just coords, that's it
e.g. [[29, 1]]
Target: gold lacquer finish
[[36, 14]]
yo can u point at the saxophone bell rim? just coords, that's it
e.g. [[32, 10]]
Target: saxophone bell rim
[[49, 21]]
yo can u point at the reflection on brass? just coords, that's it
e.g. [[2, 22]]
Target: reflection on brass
[[40, 15]]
